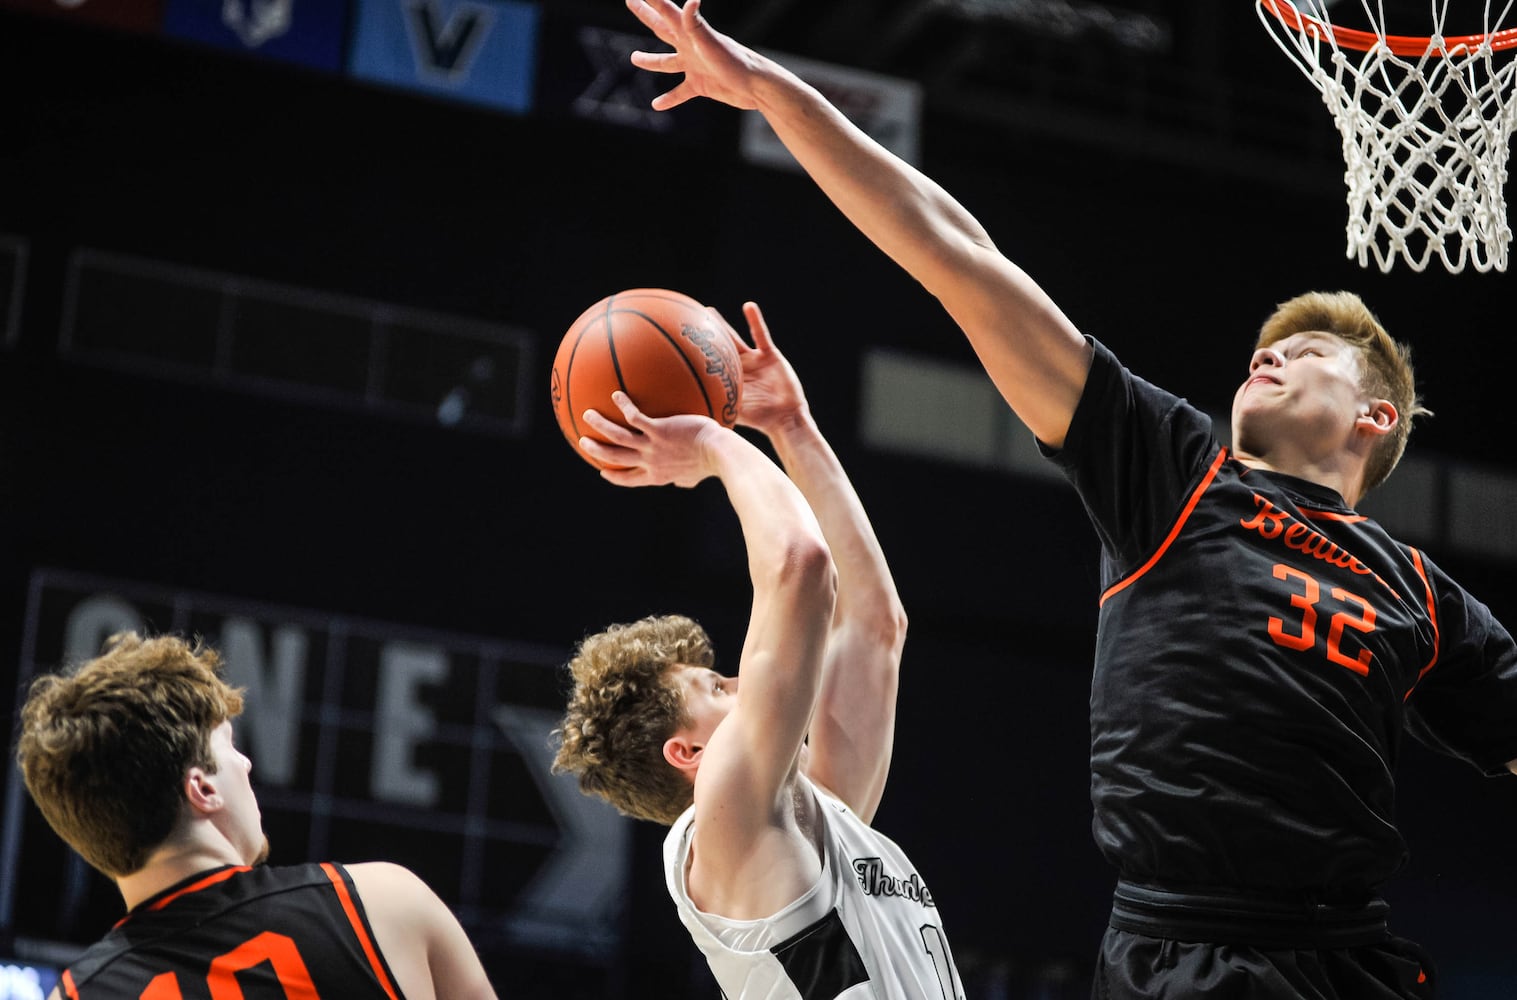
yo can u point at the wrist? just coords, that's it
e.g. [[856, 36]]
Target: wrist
[[791, 425]]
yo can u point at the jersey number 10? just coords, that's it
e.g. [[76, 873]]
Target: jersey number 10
[[276, 949]]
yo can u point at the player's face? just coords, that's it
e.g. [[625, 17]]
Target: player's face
[[709, 696], [1302, 393], [243, 823]]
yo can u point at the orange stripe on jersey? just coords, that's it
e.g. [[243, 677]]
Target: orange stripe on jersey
[[165, 986], [1329, 515], [1190, 506], [369, 949], [1432, 614], [209, 880], [69, 989]]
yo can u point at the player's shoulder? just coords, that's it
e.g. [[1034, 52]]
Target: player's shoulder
[[385, 883]]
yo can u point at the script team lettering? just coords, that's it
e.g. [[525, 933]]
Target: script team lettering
[[875, 881]]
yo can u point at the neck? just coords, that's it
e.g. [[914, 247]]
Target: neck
[[170, 864]]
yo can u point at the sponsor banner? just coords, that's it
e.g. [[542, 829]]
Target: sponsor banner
[[129, 15], [480, 51], [308, 32], [587, 74], [369, 740], [887, 108]]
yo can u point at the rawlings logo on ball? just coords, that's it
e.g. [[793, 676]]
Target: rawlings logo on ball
[[721, 361]]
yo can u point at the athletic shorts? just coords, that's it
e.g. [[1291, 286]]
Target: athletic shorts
[[1134, 966]]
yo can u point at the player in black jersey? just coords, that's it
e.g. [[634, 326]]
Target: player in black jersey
[[131, 760], [1262, 646]]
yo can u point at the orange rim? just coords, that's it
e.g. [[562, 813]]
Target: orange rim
[[1401, 45]]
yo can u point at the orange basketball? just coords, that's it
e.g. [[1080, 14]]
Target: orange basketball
[[659, 347]]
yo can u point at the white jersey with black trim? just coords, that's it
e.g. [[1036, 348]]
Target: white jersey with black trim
[[868, 928]]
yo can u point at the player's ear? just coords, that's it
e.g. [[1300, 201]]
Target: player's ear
[[200, 790], [1379, 417], [682, 753]]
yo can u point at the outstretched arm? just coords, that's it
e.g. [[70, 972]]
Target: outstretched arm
[[853, 728], [748, 765], [1033, 353]]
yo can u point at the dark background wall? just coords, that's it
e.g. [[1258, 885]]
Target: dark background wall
[[123, 143]]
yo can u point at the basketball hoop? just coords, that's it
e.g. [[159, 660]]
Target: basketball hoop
[[1426, 125]]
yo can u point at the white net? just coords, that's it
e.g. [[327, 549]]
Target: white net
[[1426, 124]]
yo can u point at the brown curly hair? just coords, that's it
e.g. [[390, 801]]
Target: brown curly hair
[[622, 710], [105, 747], [1387, 363]]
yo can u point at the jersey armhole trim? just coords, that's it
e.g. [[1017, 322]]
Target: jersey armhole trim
[[370, 949], [1432, 615], [1174, 532]]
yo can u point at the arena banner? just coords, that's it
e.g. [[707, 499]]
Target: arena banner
[[887, 108], [479, 51], [308, 32], [586, 73], [127, 15], [369, 741]]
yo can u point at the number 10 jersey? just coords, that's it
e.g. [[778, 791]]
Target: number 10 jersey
[[265, 933]]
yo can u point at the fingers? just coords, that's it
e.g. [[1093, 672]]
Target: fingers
[[652, 19], [629, 409], [609, 429], [625, 477], [664, 18], [612, 458], [658, 62], [674, 98], [758, 327], [727, 328]]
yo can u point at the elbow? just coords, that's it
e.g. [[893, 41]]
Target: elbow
[[809, 568], [882, 623], [893, 628]]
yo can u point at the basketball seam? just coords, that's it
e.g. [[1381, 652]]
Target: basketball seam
[[674, 342]]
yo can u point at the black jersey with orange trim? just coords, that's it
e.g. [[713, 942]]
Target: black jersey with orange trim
[[265, 933], [1261, 650]]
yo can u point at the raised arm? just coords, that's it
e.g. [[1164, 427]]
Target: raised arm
[[749, 763], [1033, 353], [853, 729]]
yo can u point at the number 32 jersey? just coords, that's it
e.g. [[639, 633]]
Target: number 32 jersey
[[265, 933], [1261, 649]]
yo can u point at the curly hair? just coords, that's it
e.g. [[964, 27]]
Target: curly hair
[[104, 747], [1387, 362], [622, 710]]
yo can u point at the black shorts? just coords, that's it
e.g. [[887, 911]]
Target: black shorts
[[1133, 966]]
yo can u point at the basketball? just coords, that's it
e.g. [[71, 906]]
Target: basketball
[[659, 347]]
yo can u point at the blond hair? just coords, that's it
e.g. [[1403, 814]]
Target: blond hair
[[1387, 363], [624, 707], [105, 747]]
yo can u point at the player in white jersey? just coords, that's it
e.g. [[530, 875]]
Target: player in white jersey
[[769, 779], [869, 910]]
